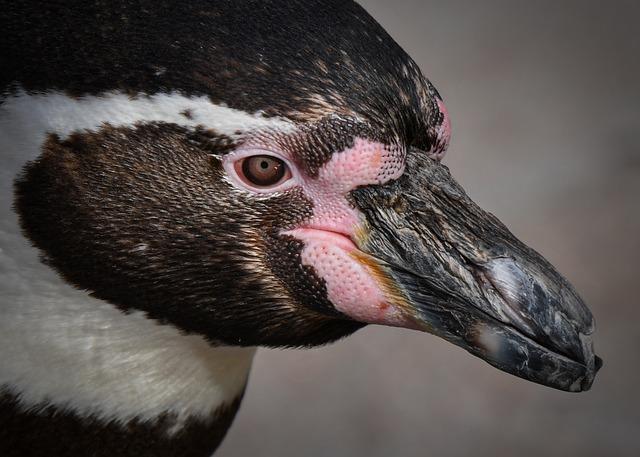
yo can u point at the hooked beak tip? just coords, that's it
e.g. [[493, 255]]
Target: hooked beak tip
[[588, 380]]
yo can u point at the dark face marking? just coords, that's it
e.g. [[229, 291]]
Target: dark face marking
[[302, 59], [143, 218], [47, 431]]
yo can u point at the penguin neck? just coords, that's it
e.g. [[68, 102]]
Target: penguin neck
[[91, 358], [83, 378]]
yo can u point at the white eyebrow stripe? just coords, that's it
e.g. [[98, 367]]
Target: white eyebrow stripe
[[56, 112]]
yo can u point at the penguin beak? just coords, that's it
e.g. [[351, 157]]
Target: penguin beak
[[457, 272]]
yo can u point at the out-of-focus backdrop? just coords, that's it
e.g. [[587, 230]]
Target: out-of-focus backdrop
[[545, 102]]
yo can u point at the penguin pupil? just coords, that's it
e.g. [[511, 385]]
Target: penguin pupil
[[263, 170]]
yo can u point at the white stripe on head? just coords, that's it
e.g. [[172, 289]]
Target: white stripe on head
[[55, 112], [61, 346]]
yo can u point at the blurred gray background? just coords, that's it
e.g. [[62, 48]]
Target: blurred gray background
[[545, 102]]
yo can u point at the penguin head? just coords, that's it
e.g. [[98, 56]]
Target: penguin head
[[294, 195]]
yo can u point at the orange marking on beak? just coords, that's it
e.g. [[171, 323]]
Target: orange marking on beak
[[360, 234], [392, 292]]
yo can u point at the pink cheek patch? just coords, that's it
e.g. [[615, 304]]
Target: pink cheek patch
[[350, 286], [328, 235], [363, 164]]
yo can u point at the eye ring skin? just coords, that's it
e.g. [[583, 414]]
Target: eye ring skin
[[231, 161]]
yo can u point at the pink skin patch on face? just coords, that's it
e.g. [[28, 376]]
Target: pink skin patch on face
[[328, 235], [350, 286], [443, 134], [363, 164]]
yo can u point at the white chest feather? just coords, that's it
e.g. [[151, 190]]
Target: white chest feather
[[61, 346]]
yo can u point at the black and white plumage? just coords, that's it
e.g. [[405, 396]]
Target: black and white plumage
[[139, 272]]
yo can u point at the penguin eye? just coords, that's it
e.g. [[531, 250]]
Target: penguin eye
[[262, 171]]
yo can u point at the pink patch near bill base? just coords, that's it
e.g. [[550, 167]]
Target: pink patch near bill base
[[350, 286], [328, 235]]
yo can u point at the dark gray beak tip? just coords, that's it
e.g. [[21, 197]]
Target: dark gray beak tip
[[588, 380], [554, 325]]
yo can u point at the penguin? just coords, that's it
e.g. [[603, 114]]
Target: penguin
[[184, 182]]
